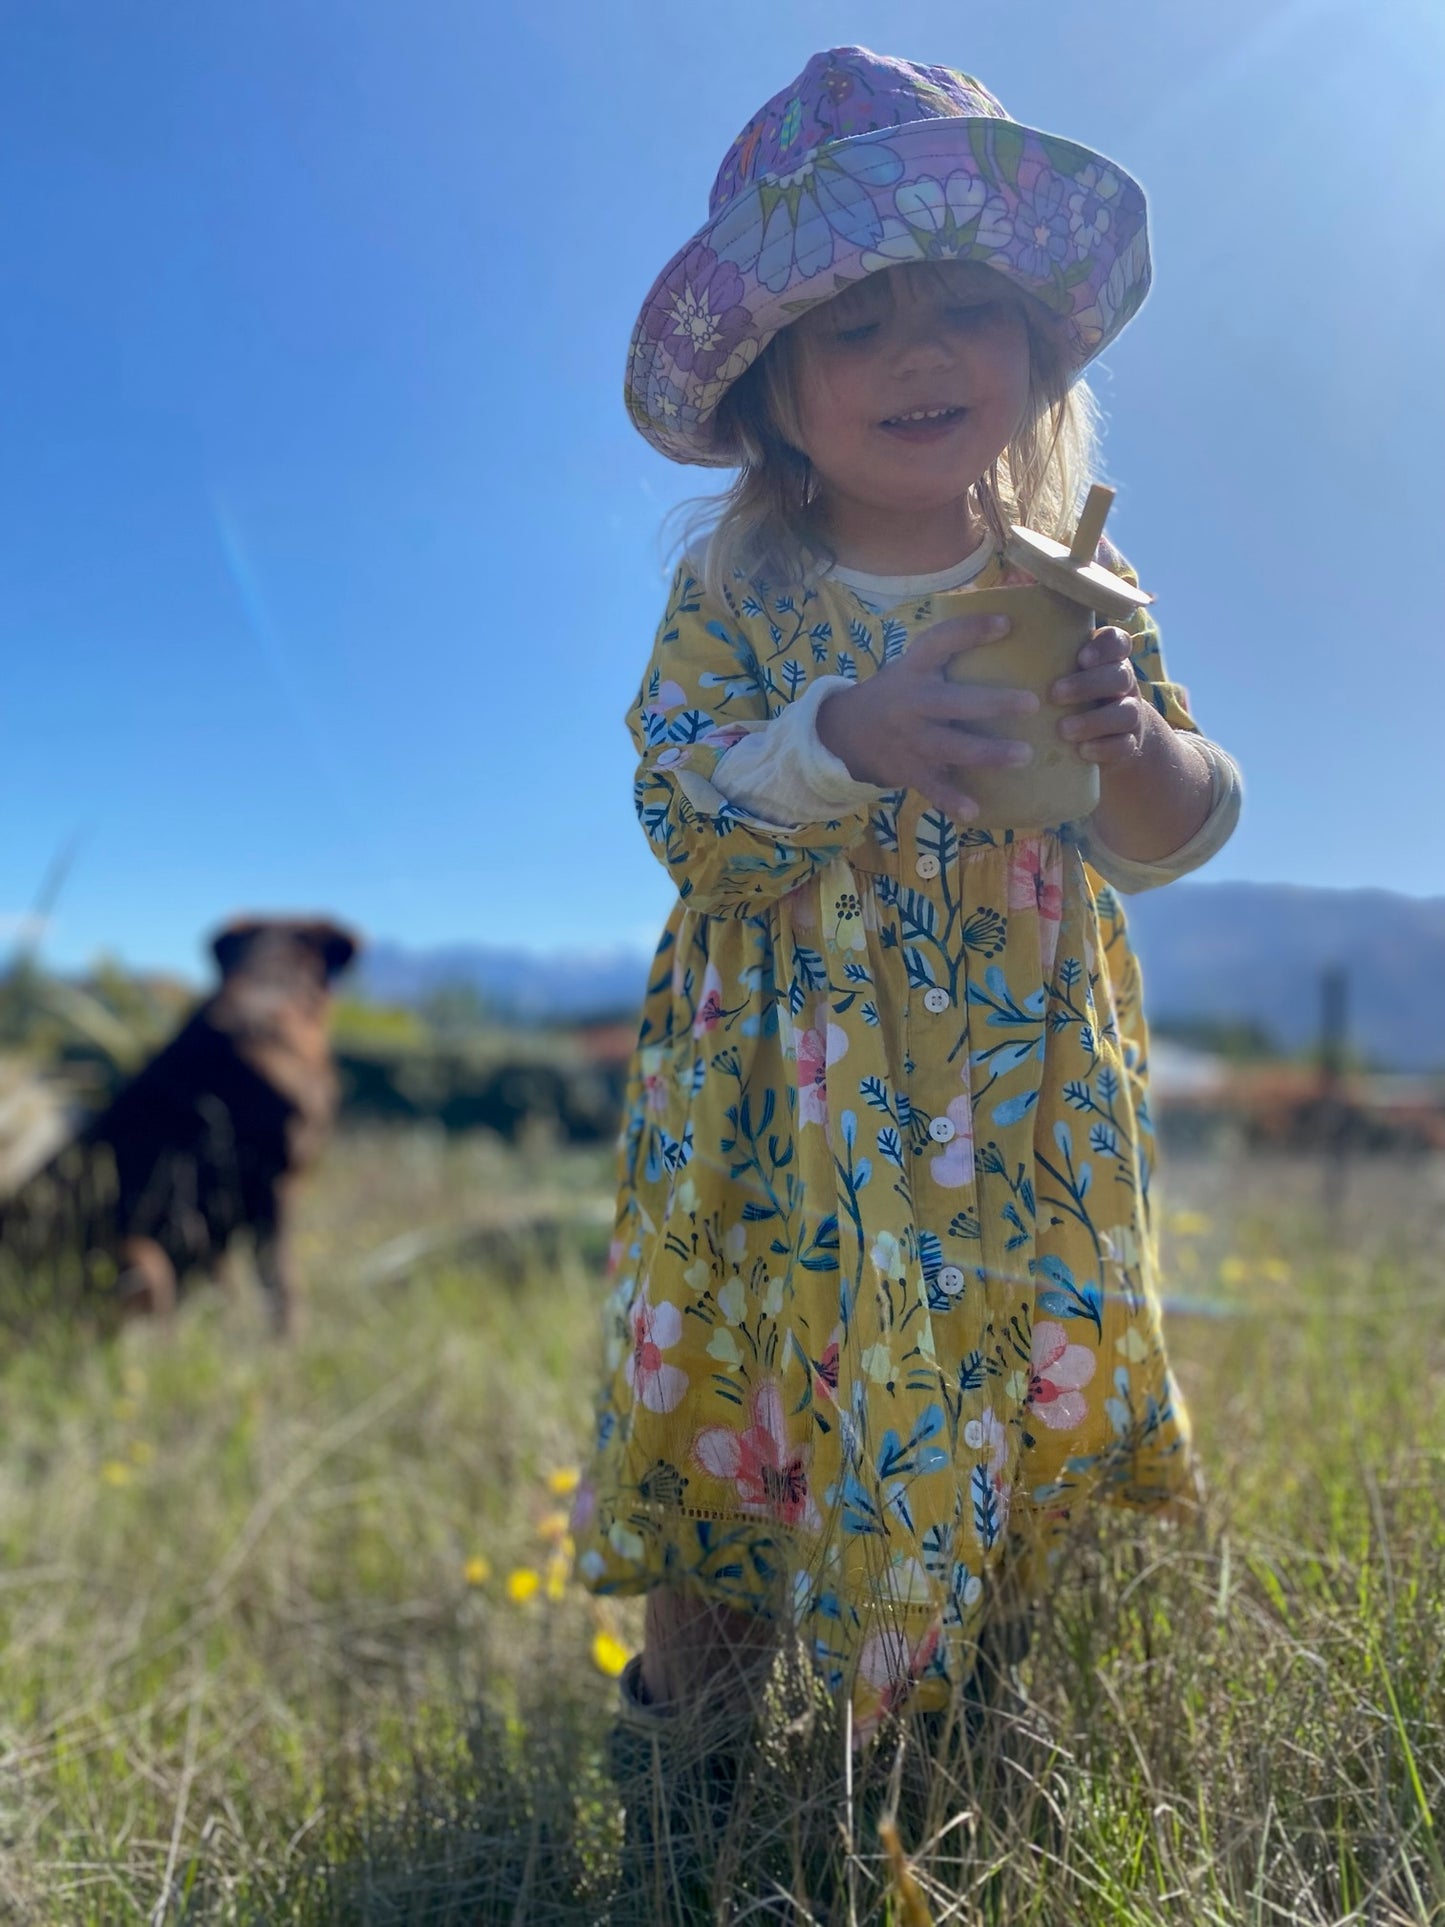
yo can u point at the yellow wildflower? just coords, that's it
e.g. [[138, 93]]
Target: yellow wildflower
[[553, 1525], [609, 1655], [477, 1571], [1188, 1224], [564, 1480], [114, 1473], [522, 1584], [141, 1451], [1276, 1270], [1233, 1271]]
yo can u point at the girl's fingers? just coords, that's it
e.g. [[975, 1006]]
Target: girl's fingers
[[977, 702], [937, 645], [940, 744], [947, 797], [1121, 721], [1094, 685], [1105, 645]]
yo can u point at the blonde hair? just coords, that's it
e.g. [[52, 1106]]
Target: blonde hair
[[764, 525]]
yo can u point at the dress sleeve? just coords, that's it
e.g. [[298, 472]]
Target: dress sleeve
[[703, 691], [1171, 699]]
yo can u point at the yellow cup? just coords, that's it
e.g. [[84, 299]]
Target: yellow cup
[[1059, 785]]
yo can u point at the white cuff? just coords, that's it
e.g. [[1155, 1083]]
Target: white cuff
[[1226, 793], [781, 772]]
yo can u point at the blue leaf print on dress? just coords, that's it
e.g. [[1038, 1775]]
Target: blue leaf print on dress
[[1065, 1298], [986, 1521], [917, 917], [859, 1512], [920, 970], [1013, 1108]]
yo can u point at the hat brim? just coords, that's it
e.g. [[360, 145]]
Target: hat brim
[[1061, 222]]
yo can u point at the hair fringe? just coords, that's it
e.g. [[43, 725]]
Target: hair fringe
[[762, 526]]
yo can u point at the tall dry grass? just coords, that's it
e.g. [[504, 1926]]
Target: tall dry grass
[[283, 1635]]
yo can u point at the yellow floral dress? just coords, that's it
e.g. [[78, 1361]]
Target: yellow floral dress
[[885, 1307]]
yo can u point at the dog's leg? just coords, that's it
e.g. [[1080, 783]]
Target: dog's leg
[[146, 1283], [274, 1264], [222, 1270]]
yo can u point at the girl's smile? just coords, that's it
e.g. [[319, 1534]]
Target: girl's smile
[[925, 424]]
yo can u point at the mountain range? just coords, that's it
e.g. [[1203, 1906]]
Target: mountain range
[[1247, 953]]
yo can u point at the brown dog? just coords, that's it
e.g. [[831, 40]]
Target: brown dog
[[206, 1141]]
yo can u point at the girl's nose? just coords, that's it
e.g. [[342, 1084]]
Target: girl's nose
[[922, 343]]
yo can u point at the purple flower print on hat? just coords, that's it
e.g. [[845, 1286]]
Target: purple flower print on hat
[[702, 317], [1042, 227], [946, 220], [1090, 208], [790, 229]]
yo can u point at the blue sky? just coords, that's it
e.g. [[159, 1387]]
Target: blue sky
[[331, 562]]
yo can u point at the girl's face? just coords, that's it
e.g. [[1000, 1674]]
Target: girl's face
[[909, 386]]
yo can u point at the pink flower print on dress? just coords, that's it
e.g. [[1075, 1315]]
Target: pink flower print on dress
[[669, 695], [825, 1369], [818, 1047], [724, 736], [953, 1167], [654, 1084], [892, 1665], [769, 1475], [1034, 885], [655, 1329], [710, 1010], [1059, 1370]]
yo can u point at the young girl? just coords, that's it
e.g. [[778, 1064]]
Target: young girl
[[885, 1314]]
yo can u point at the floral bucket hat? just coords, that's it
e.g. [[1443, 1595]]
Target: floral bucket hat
[[864, 163]]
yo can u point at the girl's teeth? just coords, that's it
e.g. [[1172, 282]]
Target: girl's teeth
[[924, 414]]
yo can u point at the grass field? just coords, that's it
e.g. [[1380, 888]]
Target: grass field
[[287, 1637]]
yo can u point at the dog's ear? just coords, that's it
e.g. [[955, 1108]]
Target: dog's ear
[[336, 945], [229, 946]]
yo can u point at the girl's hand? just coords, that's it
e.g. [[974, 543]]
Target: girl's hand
[[1111, 729], [907, 726]]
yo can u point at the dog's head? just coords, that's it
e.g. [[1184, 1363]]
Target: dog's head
[[313, 946]]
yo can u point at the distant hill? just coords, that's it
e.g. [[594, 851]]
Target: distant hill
[[524, 984], [1255, 951], [1230, 951]]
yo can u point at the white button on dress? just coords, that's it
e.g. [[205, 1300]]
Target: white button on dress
[[942, 1130], [936, 999], [973, 1434], [950, 1279], [927, 866]]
